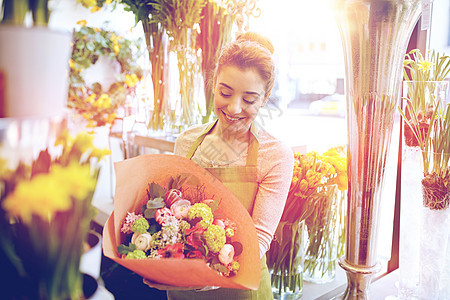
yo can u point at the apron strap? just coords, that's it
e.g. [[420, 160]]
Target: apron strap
[[253, 147]]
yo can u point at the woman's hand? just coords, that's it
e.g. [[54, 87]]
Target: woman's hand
[[164, 287]]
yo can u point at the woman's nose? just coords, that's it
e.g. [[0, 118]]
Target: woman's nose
[[235, 105]]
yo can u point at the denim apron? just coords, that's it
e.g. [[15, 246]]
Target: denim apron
[[241, 181]]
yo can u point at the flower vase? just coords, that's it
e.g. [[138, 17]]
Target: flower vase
[[425, 220], [375, 35], [34, 63], [285, 260], [187, 107], [325, 237]]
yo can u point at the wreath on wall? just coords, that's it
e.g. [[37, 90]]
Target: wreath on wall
[[98, 102]]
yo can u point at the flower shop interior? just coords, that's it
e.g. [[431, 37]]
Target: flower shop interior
[[125, 82]]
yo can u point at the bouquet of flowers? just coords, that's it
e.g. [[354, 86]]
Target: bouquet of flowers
[[175, 224], [45, 214], [316, 178]]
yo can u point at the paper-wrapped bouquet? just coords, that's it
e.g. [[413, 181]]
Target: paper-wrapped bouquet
[[175, 224]]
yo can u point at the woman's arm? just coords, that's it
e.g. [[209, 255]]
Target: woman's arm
[[272, 193]]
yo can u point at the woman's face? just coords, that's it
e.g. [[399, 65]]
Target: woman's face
[[238, 95]]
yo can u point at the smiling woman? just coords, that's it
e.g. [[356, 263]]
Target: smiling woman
[[251, 163]]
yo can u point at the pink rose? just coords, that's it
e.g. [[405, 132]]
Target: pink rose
[[226, 254], [180, 208], [162, 214], [172, 196], [142, 241]]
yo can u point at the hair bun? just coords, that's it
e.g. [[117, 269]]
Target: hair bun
[[256, 38]]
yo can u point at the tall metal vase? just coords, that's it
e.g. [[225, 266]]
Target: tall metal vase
[[375, 35]]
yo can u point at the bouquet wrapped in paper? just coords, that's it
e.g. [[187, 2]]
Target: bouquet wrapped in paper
[[175, 224]]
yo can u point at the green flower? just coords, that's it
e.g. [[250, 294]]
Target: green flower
[[229, 232], [184, 225], [202, 211], [215, 238], [136, 254], [235, 266], [140, 226]]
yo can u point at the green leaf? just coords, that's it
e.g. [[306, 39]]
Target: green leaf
[[155, 191], [123, 249], [214, 205], [220, 268]]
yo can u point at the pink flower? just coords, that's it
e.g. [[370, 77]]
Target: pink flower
[[172, 196], [194, 236], [129, 220], [172, 251], [226, 254], [180, 208], [162, 214]]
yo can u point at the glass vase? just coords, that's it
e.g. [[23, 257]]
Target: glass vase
[[285, 260], [325, 237], [425, 220], [375, 35]]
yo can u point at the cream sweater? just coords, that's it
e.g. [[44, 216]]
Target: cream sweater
[[274, 173]]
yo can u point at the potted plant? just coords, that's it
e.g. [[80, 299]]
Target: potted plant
[[37, 76]]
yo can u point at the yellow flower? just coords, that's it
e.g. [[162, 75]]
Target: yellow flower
[[131, 80], [83, 142], [342, 182], [90, 99], [425, 65], [82, 22], [71, 63], [95, 9], [107, 2], [42, 196], [100, 153], [77, 179], [104, 101], [116, 48]]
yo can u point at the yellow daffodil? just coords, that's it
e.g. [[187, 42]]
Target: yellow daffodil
[[82, 23], [42, 196], [425, 65]]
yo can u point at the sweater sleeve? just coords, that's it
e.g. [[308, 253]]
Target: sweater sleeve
[[272, 193]]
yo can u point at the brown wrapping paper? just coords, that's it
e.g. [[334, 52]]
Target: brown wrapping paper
[[132, 179]]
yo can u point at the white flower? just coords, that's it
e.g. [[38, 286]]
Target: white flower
[[142, 241], [226, 254], [180, 208]]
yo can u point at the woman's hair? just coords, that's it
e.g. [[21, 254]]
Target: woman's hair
[[250, 50]]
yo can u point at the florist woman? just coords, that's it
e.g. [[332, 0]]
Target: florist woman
[[255, 166]]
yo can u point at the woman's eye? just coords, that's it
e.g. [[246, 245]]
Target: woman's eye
[[224, 94], [249, 101]]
